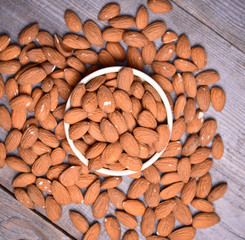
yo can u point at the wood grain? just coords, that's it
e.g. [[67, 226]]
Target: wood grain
[[223, 56], [18, 222], [227, 18]]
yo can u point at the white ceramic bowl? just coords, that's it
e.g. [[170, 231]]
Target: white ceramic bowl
[[165, 101]]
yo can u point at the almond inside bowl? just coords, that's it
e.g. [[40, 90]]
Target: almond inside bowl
[[145, 78]]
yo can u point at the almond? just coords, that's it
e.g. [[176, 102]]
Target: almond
[[183, 47], [45, 39], [198, 170], [165, 69], [165, 52], [95, 83], [109, 11], [131, 163], [178, 130], [64, 50], [113, 34], [122, 22], [169, 36], [125, 79], [28, 34], [48, 67], [187, 233], [168, 164], [111, 182], [152, 196], [108, 131], [46, 85], [207, 77], [166, 225], [11, 89], [204, 186], [10, 67], [169, 178], [76, 64], [21, 101], [2, 155], [70, 176], [53, 209], [196, 123], [134, 207], [190, 111], [60, 193], [184, 65], [151, 174], [217, 147], [116, 50], [164, 135], [129, 144], [149, 53], [200, 155], [72, 76], [179, 106], [190, 145], [4, 41], [23, 58], [95, 150], [79, 221], [145, 135], [93, 232], [189, 191], [199, 57], [164, 83], [87, 56], [172, 150], [36, 95], [112, 228], [42, 107], [190, 84], [44, 185], [203, 98], [217, 192], [146, 119], [118, 121], [89, 101], [105, 99], [171, 191], [77, 130], [184, 169], [117, 198], [148, 222], [159, 6], [75, 41], [54, 57], [161, 112], [48, 138], [36, 55], [164, 208], [13, 140], [60, 131], [130, 120], [218, 98], [72, 21], [97, 115], [134, 58], [126, 219], [23, 180], [142, 17], [202, 205], [207, 132], [135, 39], [17, 164], [41, 165], [29, 122], [93, 34], [27, 155], [111, 153], [178, 84], [92, 193], [149, 103], [75, 194], [49, 122], [36, 195], [101, 205], [94, 131], [136, 106], [85, 180], [205, 220], [182, 212], [22, 196], [137, 188], [10, 52], [130, 235], [75, 115], [77, 95], [154, 30]]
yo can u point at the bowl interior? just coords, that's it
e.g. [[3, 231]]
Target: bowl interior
[[165, 101]]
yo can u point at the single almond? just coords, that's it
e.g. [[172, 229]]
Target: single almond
[[207, 132], [137, 188], [54, 57], [200, 169], [70, 176], [205, 220], [10, 67], [93, 232], [190, 145], [178, 130], [131, 163], [152, 195], [200, 155], [182, 212], [184, 169], [173, 149], [207, 77], [159, 6], [108, 131], [10, 52], [17, 164], [169, 178], [184, 65], [45, 39], [203, 98], [109, 11], [42, 107], [135, 39], [13, 139], [172, 190], [79, 221], [41, 165], [53, 209], [11, 89], [190, 111], [168, 164], [76, 64], [129, 144], [118, 121], [183, 47], [92, 193], [185, 232], [111, 182], [113, 34], [60, 193], [125, 79], [218, 98], [112, 227], [217, 147], [196, 123], [40, 148], [164, 135], [199, 57], [165, 69], [148, 222], [4, 41], [72, 76], [126, 219], [151, 174], [77, 95], [166, 225], [165, 52], [44, 185], [21, 101], [28, 34], [189, 191], [22, 196], [75, 115], [117, 198], [87, 56], [164, 208], [134, 58], [149, 53], [204, 186], [179, 106], [178, 84], [202, 205], [85, 180], [142, 17], [169, 36], [89, 101], [36, 195], [77, 130], [101, 205], [134, 207], [106, 100], [23, 180], [116, 50], [217, 192], [72, 21], [75, 194], [122, 22], [154, 30], [190, 84]]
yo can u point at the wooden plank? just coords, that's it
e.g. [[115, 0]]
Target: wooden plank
[[222, 56], [225, 17], [18, 222]]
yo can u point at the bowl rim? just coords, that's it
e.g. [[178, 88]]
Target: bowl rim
[[144, 77]]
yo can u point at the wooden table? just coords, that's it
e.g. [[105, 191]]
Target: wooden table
[[219, 26]]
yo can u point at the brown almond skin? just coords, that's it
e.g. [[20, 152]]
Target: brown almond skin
[[172, 190], [22, 196], [207, 132], [13, 140], [182, 212], [184, 169], [93, 232], [199, 57], [104, 96], [204, 186], [24, 180], [152, 195], [217, 147], [205, 220], [142, 17], [112, 228], [203, 98], [126, 219], [129, 144], [159, 6], [108, 131], [17, 164], [41, 165], [190, 145], [116, 197], [134, 207], [188, 191], [109, 11], [72, 21], [178, 129], [130, 235], [217, 192], [53, 209], [122, 22], [166, 225], [79, 221], [218, 98], [100, 205], [137, 188], [148, 222], [92, 193], [164, 208], [202, 205], [198, 170], [28, 34], [207, 77], [183, 47], [167, 164], [36, 195], [187, 232]]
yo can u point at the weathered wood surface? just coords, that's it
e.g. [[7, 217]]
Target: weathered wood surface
[[227, 18], [19, 222], [222, 56]]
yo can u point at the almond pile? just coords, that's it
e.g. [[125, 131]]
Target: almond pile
[[116, 121], [120, 118]]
